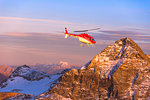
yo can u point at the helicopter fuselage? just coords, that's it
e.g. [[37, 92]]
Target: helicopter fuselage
[[84, 38]]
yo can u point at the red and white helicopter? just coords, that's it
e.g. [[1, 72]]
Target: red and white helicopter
[[84, 37]]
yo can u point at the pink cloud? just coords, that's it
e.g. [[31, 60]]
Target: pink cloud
[[17, 34], [47, 24], [33, 19]]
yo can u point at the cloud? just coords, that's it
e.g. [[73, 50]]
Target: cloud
[[17, 54], [49, 36], [34, 20], [126, 33], [18, 24], [13, 34], [21, 24], [120, 32], [29, 40]]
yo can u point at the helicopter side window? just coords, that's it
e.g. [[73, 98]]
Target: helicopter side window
[[93, 39]]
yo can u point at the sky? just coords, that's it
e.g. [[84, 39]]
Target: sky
[[31, 30]]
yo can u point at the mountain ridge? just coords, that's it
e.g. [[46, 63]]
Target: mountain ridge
[[121, 71], [123, 51], [28, 81], [52, 68]]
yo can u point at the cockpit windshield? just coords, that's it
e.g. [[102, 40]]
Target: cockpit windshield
[[93, 40]]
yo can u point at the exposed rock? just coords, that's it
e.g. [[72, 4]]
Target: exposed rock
[[19, 96], [64, 71], [4, 95], [28, 73], [5, 71], [121, 71], [2, 78], [28, 81]]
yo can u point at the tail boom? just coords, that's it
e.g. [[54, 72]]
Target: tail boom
[[68, 34]]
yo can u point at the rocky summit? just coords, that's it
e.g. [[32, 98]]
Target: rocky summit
[[30, 82], [29, 74], [120, 71]]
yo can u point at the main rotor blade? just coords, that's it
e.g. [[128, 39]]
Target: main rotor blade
[[86, 30]]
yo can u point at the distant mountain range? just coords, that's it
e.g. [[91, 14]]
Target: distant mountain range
[[120, 71], [28, 81], [5, 71], [54, 68]]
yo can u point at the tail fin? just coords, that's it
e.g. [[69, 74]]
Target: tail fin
[[66, 30], [66, 33]]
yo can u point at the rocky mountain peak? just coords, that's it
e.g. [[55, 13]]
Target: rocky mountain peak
[[28, 73], [124, 51], [120, 71], [6, 70], [125, 41], [62, 63], [28, 81], [131, 45]]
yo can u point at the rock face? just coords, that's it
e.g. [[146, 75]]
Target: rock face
[[121, 71], [29, 74], [28, 81], [14, 96], [2, 77], [5, 71]]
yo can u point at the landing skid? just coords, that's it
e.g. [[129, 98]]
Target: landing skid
[[87, 45]]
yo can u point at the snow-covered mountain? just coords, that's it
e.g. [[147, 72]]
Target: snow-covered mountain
[[53, 68], [28, 81], [120, 71]]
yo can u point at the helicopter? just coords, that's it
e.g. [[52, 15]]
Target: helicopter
[[84, 38]]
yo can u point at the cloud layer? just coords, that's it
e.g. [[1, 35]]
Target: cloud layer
[[32, 41]]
